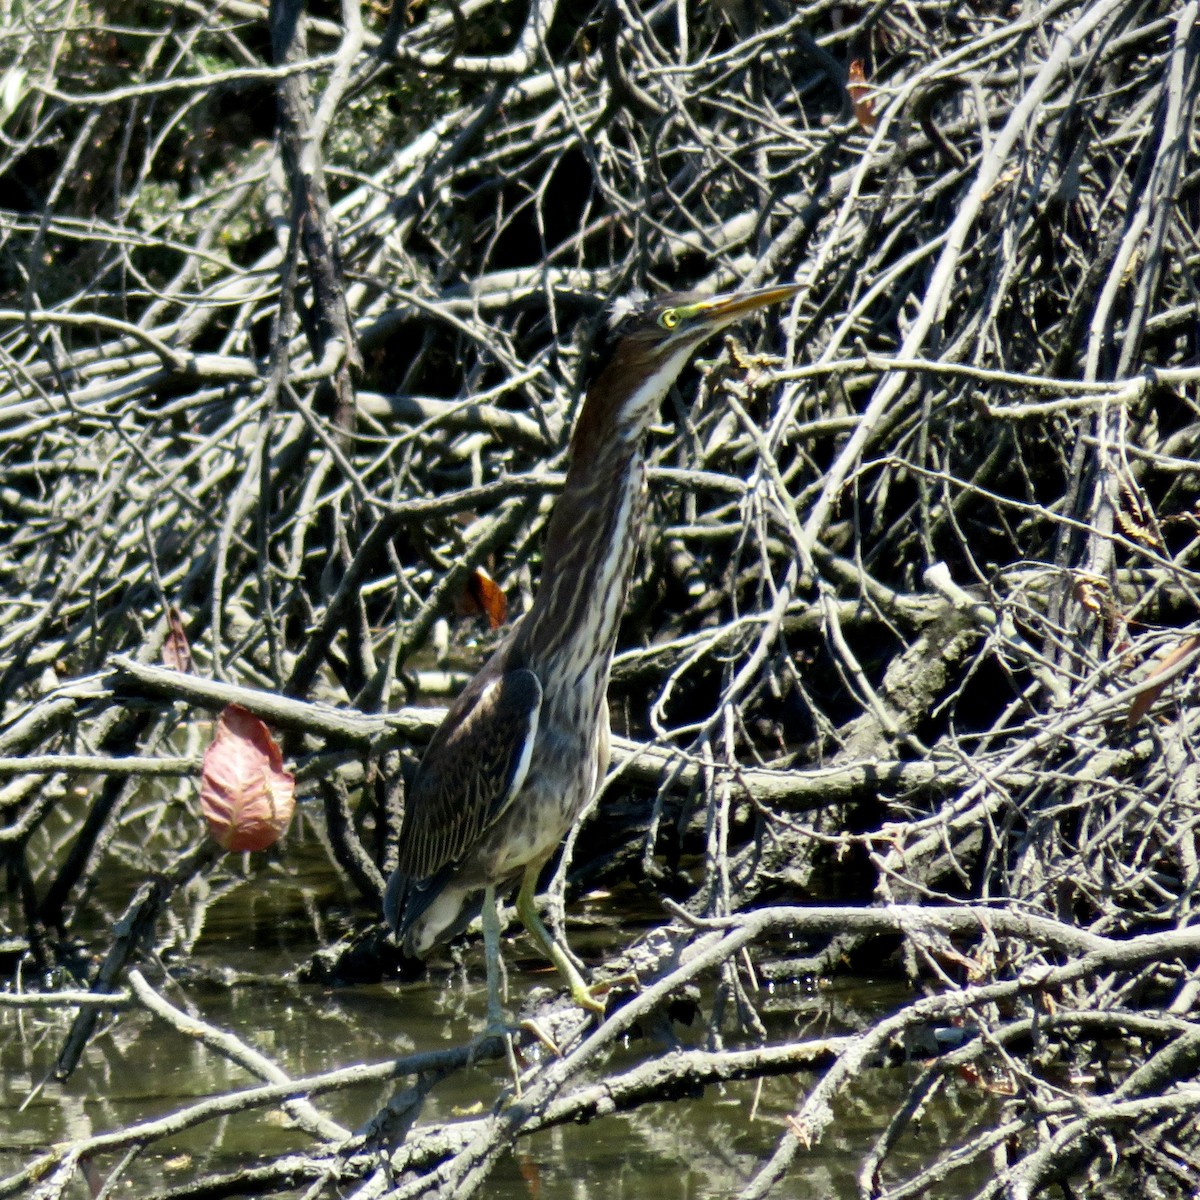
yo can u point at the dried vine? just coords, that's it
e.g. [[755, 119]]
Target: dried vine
[[296, 307]]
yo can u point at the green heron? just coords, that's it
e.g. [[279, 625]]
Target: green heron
[[524, 748]]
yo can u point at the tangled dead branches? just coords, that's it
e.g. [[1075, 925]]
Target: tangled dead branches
[[296, 307]]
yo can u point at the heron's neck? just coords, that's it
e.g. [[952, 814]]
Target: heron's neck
[[591, 543], [596, 524]]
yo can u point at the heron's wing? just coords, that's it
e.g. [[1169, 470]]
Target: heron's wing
[[473, 768]]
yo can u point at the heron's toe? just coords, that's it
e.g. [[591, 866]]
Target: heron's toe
[[590, 999]]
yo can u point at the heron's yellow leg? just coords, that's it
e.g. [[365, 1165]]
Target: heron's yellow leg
[[527, 911]]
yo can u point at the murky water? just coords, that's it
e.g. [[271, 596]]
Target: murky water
[[139, 1068]]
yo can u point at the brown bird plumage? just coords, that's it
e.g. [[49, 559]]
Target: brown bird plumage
[[524, 748]]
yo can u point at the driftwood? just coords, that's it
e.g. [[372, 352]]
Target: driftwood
[[296, 313]]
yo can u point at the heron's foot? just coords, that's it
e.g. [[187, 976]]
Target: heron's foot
[[533, 1026], [590, 996], [498, 1027], [627, 981], [593, 997]]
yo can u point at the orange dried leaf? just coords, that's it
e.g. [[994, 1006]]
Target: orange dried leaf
[[1095, 594], [245, 795], [491, 598], [176, 652], [1001, 1084], [1088, 589], [969, 1073], [974, 969], [1142, 702], [860, 96], [528, 1167], [483, 596]]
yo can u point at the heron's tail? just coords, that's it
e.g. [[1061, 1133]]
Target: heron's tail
[[422, 912]]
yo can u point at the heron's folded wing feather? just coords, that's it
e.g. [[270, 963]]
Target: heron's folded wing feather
[[473, 768]]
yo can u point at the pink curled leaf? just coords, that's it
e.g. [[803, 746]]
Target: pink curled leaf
[[245, 795]]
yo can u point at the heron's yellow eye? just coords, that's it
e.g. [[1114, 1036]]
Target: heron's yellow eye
[[669, 319]]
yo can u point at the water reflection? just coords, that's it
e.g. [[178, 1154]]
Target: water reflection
[[260, 931]]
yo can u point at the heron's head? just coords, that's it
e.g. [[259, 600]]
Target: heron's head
[[651, 339]]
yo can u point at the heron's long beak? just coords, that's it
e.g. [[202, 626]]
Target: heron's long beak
[[722, 309]]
